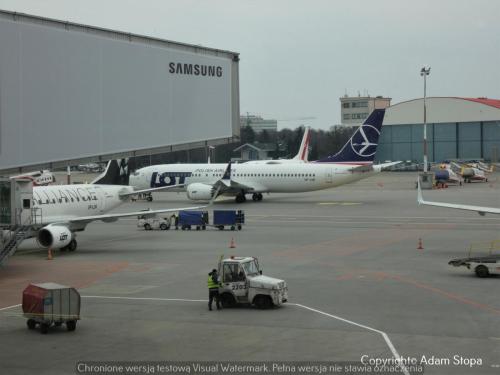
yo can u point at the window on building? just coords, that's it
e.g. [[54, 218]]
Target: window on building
[[359, 104], [345, 105], [347, 116], [359, 116]]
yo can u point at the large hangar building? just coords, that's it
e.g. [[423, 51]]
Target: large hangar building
[[72, 93], [457, 128]]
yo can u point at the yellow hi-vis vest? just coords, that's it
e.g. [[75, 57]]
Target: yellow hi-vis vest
[[211, 283]]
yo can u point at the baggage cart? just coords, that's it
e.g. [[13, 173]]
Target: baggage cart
[[482, 266], [232, 218], [188, 219], [50, 304]]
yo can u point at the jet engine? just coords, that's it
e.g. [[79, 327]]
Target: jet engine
[[199, 191], [54, 236]]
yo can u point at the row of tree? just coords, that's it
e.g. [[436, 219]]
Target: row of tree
[[286, 141]]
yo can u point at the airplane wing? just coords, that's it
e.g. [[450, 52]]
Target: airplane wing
[[226, 184], [362, 169], [151, 190], [372, 167], [479, 209], [113, 217], [253, 187], [379, 167]]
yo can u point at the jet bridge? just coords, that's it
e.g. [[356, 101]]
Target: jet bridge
[[17, 215]]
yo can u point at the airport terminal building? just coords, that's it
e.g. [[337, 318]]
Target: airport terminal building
[[457, 128]]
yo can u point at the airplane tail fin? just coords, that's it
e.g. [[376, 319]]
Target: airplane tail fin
[[117, 172], [361, 148], [304, 146]]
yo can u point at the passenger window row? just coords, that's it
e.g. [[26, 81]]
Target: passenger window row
[[262, 175]]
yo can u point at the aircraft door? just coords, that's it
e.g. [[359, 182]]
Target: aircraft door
[[329, 174], [26, 202], [5, 201], [100, 199], [23, 200]]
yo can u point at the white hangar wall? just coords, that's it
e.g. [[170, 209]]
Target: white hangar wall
[[77, 93]]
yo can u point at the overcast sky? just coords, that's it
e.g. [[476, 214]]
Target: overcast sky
[[298, 57]]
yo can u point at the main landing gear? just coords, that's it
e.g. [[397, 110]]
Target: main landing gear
[[241, 198], [256, 197]]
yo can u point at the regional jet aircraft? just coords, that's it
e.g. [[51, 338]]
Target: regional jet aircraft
[[200, 181], [301, 157], [62, 210], [479, 209]]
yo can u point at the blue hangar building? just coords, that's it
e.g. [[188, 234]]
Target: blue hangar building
[[457, 128]]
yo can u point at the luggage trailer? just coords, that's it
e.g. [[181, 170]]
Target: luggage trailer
[[482, 266]]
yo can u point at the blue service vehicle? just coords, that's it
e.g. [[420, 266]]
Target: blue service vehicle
[[188, 219], [232, 218]]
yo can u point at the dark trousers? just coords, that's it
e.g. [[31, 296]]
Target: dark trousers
[[213, 293]]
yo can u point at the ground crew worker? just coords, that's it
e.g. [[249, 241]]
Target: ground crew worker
[[176, 220], [213, 289]]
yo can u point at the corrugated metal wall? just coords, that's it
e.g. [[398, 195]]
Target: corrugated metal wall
[[465, 140]]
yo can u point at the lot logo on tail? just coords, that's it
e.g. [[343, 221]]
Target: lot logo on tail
[[362, 146], [360, 141]]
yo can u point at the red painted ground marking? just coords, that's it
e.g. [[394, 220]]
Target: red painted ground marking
[[18, 273]]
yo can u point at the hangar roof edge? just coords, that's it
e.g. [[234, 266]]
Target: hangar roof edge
[[481, 100], [491, 102], [19, 16]]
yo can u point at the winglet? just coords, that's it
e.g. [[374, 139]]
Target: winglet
[[420, 198], [227, 173]]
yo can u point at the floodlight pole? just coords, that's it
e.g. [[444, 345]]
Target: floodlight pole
[[425, 71]]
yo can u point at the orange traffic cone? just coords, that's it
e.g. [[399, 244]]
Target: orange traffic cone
[[49, 254], [232, 245], [420, 245]]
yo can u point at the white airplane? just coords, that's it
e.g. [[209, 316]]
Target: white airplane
[[479, 209], [301, 157], [39, 178], [352, 163], [62, 210]]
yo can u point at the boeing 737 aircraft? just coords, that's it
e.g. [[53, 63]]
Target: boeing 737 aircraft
[[352, 163], [61, 210]]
